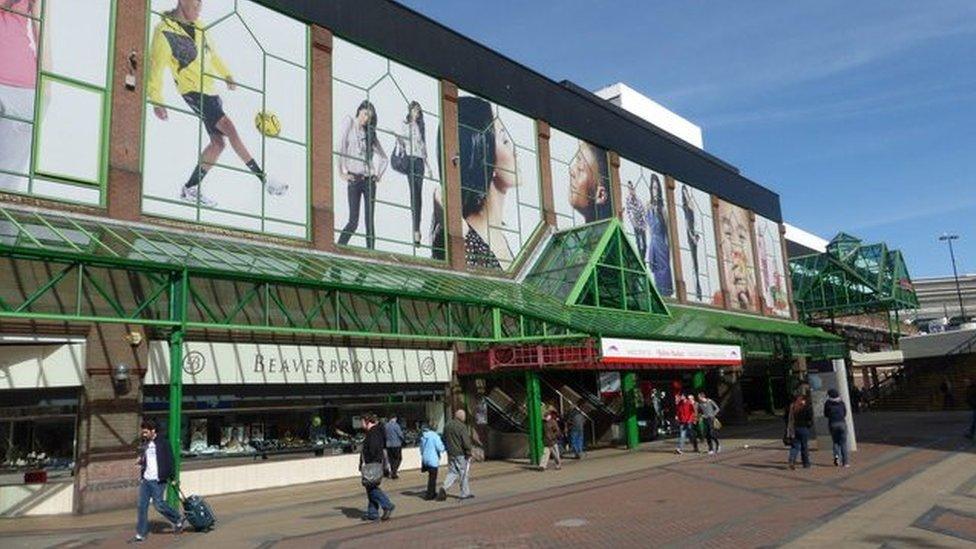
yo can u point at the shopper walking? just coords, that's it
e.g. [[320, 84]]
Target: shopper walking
[[156, 470], [948, 399], [550, 437], [431, 448], [836, 413], [577, 426], [799, 422], [457, 441], [708, 416], [971, 402], [685, 414], [372, 455], [394, 445]]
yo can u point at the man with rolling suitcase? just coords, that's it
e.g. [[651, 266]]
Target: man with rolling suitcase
[[156, 470]]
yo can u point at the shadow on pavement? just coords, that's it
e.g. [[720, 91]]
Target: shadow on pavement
[[351, 512]]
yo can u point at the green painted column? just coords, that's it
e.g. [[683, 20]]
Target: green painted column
[[628, 386], [533, 406], [177, 310]]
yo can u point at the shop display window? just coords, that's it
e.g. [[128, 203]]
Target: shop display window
[[37, 438]]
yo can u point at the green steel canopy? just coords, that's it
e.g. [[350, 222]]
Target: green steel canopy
[[851, 278]]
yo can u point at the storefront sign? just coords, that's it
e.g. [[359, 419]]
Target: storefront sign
[[249, 363], [635, 351], [41, 366]]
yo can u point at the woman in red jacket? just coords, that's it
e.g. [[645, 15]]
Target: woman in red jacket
[[687, 418]]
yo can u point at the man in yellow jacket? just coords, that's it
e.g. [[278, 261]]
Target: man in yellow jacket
[[179, 43]]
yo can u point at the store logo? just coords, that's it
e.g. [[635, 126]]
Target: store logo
[[193, 363], [427, 366]]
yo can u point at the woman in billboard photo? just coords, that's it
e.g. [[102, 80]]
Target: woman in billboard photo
[[180, 43], [637, 215], [19, 35], [410, 159], [588, 192], [362, 162], [692, 233], [488, 172], [737, 252], [658, 256]]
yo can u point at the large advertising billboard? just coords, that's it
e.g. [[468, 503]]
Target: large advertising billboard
[[54, 98], [646, 221], [696, 238], [387, 189], [772, 268], [738, 264], [500, 186], [226, 125], [580, 180]]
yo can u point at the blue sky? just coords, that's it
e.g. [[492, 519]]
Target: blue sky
[[861, 115]]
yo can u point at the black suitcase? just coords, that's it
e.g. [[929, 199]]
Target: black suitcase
[[198, 513]]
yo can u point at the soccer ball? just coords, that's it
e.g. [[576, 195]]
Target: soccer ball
[[267, 123]]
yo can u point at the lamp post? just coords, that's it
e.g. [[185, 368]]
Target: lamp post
[[946, 237]]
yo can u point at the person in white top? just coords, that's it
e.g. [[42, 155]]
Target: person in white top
[[412, 145], [362, 162], [156, 468]]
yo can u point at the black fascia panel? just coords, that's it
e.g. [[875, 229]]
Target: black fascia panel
[[400, 33]]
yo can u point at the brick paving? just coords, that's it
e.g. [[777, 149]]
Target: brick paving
[[744, 497]]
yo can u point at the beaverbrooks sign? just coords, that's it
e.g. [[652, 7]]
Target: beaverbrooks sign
[[250, 363]]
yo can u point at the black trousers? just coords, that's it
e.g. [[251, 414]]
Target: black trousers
[[431, 483], [361, 189], [396, 456], [416, 181]]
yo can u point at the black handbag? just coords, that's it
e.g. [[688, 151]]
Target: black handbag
[[372, 474], [399, 160]]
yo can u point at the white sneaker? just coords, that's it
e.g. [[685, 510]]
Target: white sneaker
[[275, 187], [678, 451], [711, 452], [194, 196]]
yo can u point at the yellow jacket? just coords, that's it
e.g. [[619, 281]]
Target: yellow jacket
[[172, 46]]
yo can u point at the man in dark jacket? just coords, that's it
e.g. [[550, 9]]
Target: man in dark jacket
[[457, 440], [373, 447], [550, 438], [836, 413], [155, 471]]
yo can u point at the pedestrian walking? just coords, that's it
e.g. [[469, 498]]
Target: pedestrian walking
[[708, 411], [799, 422], [836, 413], [550, 436], [371, 461], [394, 445], [685, 413], [971, 401], [577, 425], [155, 472], [457, 441], [431, 448], [948, 399]]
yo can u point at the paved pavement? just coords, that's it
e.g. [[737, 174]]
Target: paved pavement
[[912, 484]]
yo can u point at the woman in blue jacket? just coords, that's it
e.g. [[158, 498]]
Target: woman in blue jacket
[[836, 413], [431, 448]]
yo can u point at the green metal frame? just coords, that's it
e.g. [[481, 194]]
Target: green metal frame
[[851, 278], [533, 404], [628, 386]]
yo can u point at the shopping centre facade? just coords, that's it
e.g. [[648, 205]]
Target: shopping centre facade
[[258, 220]]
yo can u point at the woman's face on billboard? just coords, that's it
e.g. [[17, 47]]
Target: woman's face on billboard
[[583, 179], [190, 9], [504, 158]]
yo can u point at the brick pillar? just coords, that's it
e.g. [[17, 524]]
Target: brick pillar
[[615, 190], [680, 288], [545, 174], [323, 216], [452, 176], [108, 423], [720, 252], [786, 273], [125, 131]]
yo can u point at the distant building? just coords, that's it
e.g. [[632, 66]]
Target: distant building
[[938, 299]]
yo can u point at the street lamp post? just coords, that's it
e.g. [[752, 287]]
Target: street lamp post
[[946, 237]]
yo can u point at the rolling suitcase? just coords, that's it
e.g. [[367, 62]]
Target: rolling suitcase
[[198, 512]]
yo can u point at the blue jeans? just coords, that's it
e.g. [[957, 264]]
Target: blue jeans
[[801, 446], [838, 433], [684, 430], [156, 492], [376, 500], [576, 439]]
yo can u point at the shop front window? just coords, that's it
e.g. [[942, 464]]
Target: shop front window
[[37, 437]]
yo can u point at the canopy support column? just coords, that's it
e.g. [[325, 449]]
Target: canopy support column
[[177, 311], [628, 385], [533, 406]]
